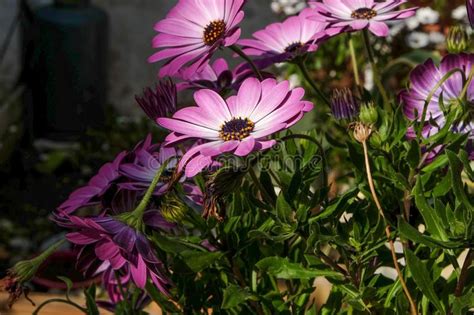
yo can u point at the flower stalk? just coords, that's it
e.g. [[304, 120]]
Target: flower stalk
[[307, 76], [363, 140], [254, 67]]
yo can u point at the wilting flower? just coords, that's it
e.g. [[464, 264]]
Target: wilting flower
[[217, 77], [193, 31], [344, 105], [90, 194], [284, 41], [160, 101], [424, 79], [470, 11], [357, 15], [238, 125]]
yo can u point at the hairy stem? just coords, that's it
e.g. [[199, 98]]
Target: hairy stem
[[387, 229], [241, 54]]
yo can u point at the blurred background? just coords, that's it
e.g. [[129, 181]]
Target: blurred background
[[69, 72]]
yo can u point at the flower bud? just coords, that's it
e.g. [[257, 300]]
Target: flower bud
[[369, 114], [343, 104], [457, 40], [160, 101], [362, 132], [172, 208]]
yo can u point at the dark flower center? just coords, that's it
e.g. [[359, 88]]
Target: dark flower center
[[236, 129], [213, 32], [364, 14], [294, 47]]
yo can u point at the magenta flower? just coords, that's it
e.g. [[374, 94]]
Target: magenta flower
[[89, 195], [424, 79], [193, 30], [238, 125], [470, 11], [354, 15], [217, 77], [284, 41], [160, 101], [117, 246]]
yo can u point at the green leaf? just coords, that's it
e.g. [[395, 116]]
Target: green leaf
[[169, 244], [409, 232], [284, 210], [234, 296], [91, 305], [339, 206], [414, 155], [456, 168], [433, 223], [422, 279], [198, 261], [283, 269]]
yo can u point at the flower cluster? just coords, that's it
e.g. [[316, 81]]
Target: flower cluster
[[147, 196]]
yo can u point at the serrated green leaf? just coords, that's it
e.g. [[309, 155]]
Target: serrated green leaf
[[282, 268], [433, 224], [234, 296], [456, 168], [422, 279], [410, 233]]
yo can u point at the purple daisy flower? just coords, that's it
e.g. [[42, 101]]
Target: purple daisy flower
[[470, 11], [89, 195], [118, 246], [354, 15], [284, 41], [193, 30], [160, 101], [239, 125], [424, 79], [217, 77]]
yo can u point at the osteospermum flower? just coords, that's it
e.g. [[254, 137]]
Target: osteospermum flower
[[239, 125], [280, 42], [193, 30], [96, 188], [470, 11], [354, 15], [424, 79]]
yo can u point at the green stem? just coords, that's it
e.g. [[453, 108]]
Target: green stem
[[259, 185], [375, 70], [310, 81], [44, 255], [38, 309], [354, 61], [140, 210], [241, 54]]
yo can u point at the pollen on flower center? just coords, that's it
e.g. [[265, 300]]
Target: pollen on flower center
[[213, 32], [236, 129], [364, 14], [293, 47]]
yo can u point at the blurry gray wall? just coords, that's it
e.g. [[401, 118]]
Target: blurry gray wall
[[131, 23]]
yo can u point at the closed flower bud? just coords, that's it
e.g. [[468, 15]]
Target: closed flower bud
[[172, 208], [457, 40], [369, 114], [343, 104], [160, 101]]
